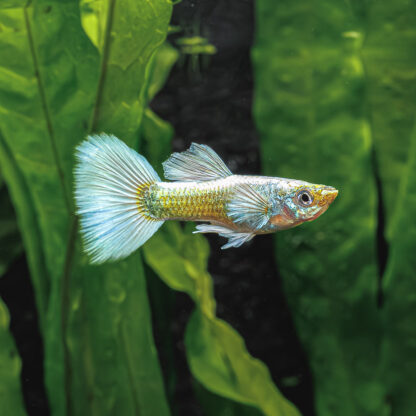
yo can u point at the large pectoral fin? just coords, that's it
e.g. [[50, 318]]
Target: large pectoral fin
[[250, 207], [235, 239]]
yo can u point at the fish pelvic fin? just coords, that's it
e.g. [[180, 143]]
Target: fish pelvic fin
[[235, 238], [250, 207], [198, 163], [111, 181]]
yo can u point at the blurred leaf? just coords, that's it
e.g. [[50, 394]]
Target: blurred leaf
[[195, 45], [311, 111], [162, 63], [10, 241], [156, 133], [334, 88], [220, 406], [220, 361], [400, 300], [156, 139], [389, 56], [11, 400], [28, 225], [180, 259], [191, 41], [55, 87], [216, 354]]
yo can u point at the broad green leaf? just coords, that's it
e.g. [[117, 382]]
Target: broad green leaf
[[11, 400], [400, 299], [95, 16], [216, 354], [220, 361], [180, 259], [389, 55], [389, 61], [162, 63], [55, 87], [311, 112]]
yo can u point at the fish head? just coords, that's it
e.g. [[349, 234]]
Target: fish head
[[302, 201]]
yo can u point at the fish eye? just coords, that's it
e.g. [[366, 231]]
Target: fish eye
[[305, 198]]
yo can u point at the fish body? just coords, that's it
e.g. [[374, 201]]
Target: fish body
[[122, 202], [209, 201]]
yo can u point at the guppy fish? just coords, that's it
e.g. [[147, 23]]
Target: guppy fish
[[122, 201]]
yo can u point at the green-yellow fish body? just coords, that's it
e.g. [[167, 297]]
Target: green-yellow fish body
[[122, 201], [188, 201]]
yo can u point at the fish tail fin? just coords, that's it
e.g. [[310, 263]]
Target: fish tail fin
[[111, 180]]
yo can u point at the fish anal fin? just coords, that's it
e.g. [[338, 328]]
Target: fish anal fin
[[250, 207], [198, 163], [235, 238]]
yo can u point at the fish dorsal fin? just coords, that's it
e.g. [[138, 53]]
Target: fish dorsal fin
[[235, 238], [249, 206], [198, 163]]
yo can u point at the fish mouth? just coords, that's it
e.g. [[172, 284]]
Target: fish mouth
[[329, 194]]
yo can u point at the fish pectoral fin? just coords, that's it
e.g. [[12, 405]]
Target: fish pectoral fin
[[249, 206], [235, 238], [198, 163]]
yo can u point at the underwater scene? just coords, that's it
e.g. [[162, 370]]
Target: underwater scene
[[207, 208]]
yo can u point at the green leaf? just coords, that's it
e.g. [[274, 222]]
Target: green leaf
[[156, 139], [55, 87], [335, 87], [389, 62], [220, 361], [216, 354], [11, 400], [311, 112], [162, 63], [399, 362], [156, 134]]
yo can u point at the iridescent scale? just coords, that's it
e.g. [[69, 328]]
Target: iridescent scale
[[189, 201]]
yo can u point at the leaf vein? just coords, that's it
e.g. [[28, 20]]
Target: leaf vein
[[45, 107]]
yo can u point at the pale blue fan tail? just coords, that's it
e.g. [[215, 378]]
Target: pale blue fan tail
[[110, 180]]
